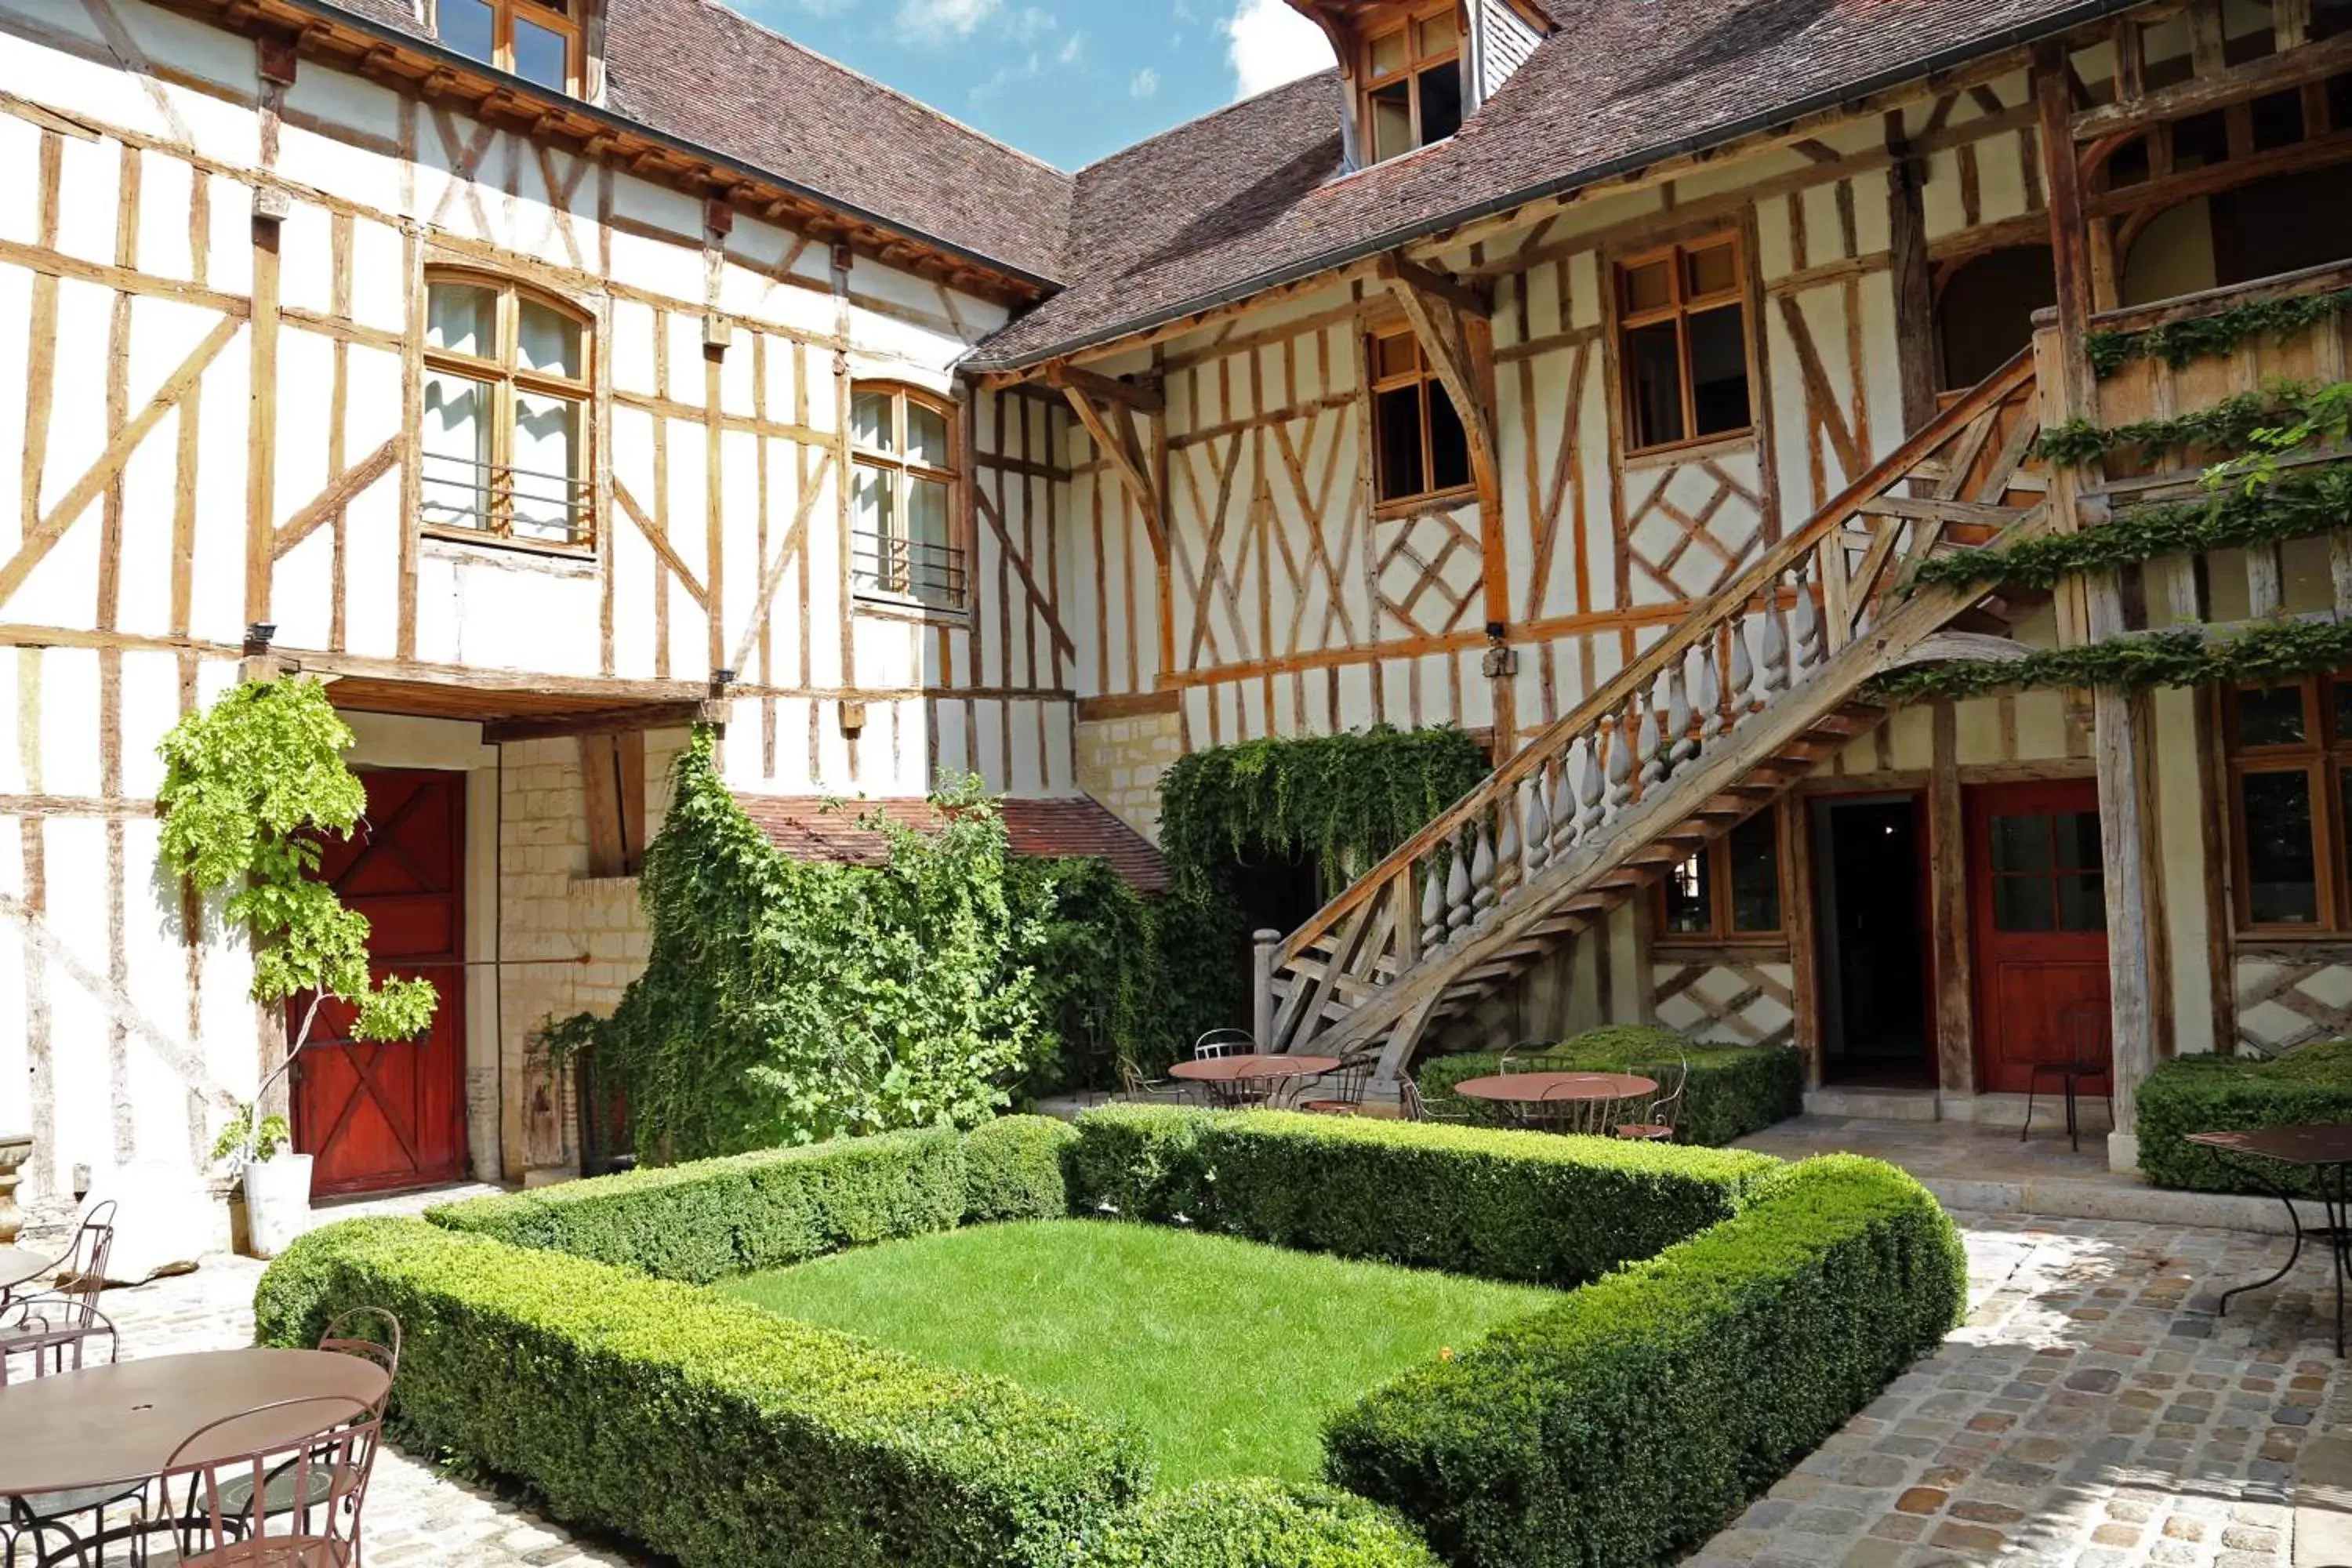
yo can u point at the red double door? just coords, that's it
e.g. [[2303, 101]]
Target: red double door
[[380, 1116], [2037, 888]]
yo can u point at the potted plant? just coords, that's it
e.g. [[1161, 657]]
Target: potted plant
[[250, 785]]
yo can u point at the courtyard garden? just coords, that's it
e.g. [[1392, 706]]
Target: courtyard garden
[[1167, 1336]]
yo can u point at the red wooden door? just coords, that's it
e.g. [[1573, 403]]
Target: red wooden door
[[380, 1116], [2040, 916]]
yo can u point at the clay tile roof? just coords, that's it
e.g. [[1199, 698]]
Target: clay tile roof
[[1249, 197], [804, 828]]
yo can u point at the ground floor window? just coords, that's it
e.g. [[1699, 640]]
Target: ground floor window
[[1731, 888], [2290, 761]]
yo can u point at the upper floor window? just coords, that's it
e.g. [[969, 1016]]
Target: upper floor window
[[504, 444], [1682, 343], [1411, 77], [2289, 748], [1424, 449], [538, 40], [903, 537], [1730, 888]]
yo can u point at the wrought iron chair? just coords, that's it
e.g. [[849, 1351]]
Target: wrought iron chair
[[1565, 1109], [1534, 1055], [1341, 1091], [2090, 1053], [70, 1526], [232, 1521], [1230, 1094], [50, 1326], [370, 1333], [1657, 1125], [1411, 1106], [1137, 1085], [1220, 1043]]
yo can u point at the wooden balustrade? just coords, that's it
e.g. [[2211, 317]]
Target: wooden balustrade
[[1771, 629]]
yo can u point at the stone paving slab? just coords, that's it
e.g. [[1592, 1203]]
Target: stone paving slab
[[2094, 1412]]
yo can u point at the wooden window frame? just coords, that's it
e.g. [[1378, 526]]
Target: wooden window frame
[[502, 20], [505, 375], [1679, 308], [1719, 932], [2321, 756], [1406, 20], [869, 591], [1424, 376]]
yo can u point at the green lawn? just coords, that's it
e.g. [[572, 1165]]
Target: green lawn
[[1225, 1355]]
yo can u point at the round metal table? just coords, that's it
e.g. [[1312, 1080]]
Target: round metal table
[[19, 1268], [105, 1425], [1574, 1094], [1227, 1078]]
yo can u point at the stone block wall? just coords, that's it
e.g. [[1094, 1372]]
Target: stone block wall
[[1120, 760]]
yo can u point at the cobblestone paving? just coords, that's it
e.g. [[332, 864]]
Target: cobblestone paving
[[2094, 1412]]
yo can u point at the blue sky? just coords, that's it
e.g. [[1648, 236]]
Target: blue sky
[[1065, 81]]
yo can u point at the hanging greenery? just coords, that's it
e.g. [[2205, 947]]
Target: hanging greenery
[[2229, 425], [786, 1001], [1348, 798], [2275, 650], [2180, 343], [2290, 506], [250, 785]]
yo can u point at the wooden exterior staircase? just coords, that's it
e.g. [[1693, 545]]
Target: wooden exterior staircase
[[1714, 719]]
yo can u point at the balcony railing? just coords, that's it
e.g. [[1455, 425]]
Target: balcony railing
[[503, 501], [929, 573]]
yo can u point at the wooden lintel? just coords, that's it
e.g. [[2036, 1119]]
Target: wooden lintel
[[608, 721], [1471, 298], [1143, 396]]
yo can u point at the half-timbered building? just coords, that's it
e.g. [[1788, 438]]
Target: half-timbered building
[[550, 376]]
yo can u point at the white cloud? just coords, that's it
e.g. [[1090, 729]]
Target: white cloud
[[1145, 85], [935, 20], [1074, 48], [1269, 44]]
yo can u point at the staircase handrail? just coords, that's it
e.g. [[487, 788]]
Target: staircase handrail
[[1726, 605]]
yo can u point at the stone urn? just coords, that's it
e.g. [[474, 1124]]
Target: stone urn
[[16, 1148]]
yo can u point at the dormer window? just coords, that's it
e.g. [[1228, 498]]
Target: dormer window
[[538, 40], [1410, 73]]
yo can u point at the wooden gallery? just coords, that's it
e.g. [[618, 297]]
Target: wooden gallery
[[1719, 409]]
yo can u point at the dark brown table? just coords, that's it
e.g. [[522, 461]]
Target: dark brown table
[[118, 1424], [2325, 1149], [1224, 1076]]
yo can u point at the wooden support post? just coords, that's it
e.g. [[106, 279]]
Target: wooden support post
[[1917, 355], [1264, 945], [1948, 897]]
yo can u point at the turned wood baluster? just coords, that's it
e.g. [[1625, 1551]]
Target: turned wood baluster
[[1742, 698], [1433, 905], [1712, 720], [1539, 845], [1563, 801], [1594, 793], [1682, 745], [1771, 653], [1621, 762], [1653, 739], [1806, 622], [1482, 875], [1457, 889], [1507, 845]]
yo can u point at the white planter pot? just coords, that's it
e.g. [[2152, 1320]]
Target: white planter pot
[[276, 1202]]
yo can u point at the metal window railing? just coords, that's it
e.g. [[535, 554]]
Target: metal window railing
[[931, 573], [504, 501]]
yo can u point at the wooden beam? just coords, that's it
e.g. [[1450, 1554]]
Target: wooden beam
[[1113, 433], [1438, 324], [2271, 73], [1476, 298], [1144, 397], [608, 721]]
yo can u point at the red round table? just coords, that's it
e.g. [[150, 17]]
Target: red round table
[[1533, 1094], [1228, 1077], [108, 1424]]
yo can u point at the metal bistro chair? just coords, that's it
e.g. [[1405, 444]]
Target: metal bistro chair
[[1341, 1091], [230, 1521], [2090, 1053], [370, 1333], [1530, 1056], [51, 1326], [1137, 1087], [1657, 1126], [1230, 1094], [1411, 1106], [1564, 1110], [70, 1526]]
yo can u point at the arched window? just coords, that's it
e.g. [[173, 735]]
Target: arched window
[[505, 442], [904, 543]]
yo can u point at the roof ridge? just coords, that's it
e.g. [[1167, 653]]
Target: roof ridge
[[933, 110], [1199, 120]]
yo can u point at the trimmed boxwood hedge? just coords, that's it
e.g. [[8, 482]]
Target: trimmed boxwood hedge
[[1258, 1523], [719, 1434], [1632, 1421], [1528, 1207], [1734, 1089], [705, 1220], [2236, 1094], [1012, 1170]]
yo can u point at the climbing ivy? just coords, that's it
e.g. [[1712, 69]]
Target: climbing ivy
[[250, 785], [1348, 798], [2289, 505], [2178, 344], [2275, 650], [2230, 424], [788, 1002]]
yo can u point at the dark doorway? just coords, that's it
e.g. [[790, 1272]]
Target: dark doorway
[[1273, 891], [1870, 890], [1984, 312]]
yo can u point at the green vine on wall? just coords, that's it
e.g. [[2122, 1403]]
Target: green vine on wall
[[250, 785], [1348, 798], [2229, 425], [2274, 651], [2180, 343]]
